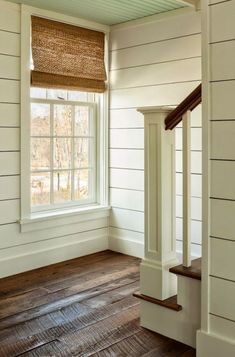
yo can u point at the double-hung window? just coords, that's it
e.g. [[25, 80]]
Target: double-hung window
[[63, 148], [64, 116]]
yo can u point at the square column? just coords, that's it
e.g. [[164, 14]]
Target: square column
[[160, 250]]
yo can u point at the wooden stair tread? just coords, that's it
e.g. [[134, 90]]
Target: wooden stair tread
[[194, 271], [170, 303]]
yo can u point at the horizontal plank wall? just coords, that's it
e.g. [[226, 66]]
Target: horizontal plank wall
[[218, 284], [24, 251], [154, 63], [222, 241]]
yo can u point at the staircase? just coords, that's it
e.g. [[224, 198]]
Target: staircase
[[170, 294], [179, 316]]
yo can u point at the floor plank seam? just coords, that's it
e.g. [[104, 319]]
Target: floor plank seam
[[43, 305]]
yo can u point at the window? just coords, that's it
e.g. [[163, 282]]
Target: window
[[64, 126], [63, 148]]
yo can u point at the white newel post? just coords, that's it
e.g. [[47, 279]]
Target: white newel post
[[160, 250]]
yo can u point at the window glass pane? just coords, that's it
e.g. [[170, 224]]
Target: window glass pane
[[38, 92], [40, 189], [57, 94], [62, 120], [40, 119], [62, 153], [62, 147], [81, 125], [79, 96], [81, 184], [81, 153], [62, 186], [40, 154]]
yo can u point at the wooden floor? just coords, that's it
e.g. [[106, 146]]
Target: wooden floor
[[83, 307]]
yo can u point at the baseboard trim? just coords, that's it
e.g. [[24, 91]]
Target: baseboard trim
[[43, 257], [212, 345], [126, 246]]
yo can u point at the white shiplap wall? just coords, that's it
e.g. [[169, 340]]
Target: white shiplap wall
[[222, 125], [154, 63], [24, 251]]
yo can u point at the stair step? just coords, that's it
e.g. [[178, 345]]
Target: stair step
[[194, 271], [170, 303]]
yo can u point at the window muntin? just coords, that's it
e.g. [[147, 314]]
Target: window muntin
[[63, 148]]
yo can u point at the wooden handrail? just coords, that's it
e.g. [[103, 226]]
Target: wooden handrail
[[190, 103]]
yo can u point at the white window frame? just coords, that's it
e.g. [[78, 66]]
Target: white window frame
[[92, 113], [29, 220]]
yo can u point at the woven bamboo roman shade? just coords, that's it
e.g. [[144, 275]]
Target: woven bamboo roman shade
[[67, 56]]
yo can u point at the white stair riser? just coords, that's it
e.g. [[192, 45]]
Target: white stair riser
[[183, 325]]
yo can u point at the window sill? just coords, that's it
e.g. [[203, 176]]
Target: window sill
[[45, 220]]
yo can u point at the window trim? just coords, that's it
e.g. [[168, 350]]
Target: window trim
[[102, 118], [40, 220]]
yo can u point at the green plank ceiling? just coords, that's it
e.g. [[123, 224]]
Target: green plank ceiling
[[107, 12]]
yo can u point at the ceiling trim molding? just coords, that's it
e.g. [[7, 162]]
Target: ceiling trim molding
[[187, 2], [152, 18], [193, 3]]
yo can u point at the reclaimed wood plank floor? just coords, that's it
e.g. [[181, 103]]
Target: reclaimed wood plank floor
[[82, 307]]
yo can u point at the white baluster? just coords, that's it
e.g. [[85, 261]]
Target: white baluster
[[187, 189]]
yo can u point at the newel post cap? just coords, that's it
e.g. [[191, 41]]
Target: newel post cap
[[157, 110]]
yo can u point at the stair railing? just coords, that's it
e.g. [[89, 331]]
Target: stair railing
[[183, 113]]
